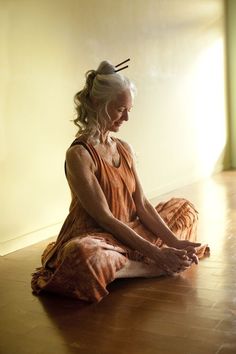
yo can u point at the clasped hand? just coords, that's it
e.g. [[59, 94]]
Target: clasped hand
[[175, 260]]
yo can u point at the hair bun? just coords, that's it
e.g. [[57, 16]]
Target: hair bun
[[106, 68]]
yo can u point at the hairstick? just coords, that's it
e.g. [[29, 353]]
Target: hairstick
[[123, 62], [124, 67]]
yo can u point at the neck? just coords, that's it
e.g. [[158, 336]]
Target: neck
[[101, 138]]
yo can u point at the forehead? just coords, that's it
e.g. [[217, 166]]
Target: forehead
[[124, 99]]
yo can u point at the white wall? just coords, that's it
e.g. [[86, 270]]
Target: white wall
[[178, 124]]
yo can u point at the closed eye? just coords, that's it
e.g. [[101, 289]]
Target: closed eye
[[121, 110]]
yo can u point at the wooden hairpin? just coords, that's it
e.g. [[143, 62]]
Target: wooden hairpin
[[123, 62]]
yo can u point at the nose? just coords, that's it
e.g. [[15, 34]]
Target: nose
[[126, 115]]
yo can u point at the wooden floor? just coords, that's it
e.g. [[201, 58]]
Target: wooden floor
[[194, 313]]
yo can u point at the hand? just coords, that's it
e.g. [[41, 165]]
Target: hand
[[183, 244], [189, 247], [172, 260]]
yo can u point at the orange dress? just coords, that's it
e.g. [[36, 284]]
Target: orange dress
[[85, 258]]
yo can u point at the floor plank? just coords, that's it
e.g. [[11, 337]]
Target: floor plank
[[194, 313]]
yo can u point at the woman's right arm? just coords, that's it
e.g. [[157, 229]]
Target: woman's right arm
[[81, 173]]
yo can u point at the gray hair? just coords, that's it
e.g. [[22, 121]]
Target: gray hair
[[102, 86]]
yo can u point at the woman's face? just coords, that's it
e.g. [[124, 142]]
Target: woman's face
[[119, 109]]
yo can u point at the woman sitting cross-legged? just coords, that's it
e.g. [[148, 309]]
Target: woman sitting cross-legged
[[112, 230]]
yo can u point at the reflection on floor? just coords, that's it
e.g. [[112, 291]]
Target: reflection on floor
[[190, 314]]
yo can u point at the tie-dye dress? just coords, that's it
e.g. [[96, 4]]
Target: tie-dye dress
[[85, 258]]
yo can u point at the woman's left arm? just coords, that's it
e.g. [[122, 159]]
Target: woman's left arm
[[151, 218]]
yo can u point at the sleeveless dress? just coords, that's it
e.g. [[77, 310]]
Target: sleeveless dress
[[85, 258]]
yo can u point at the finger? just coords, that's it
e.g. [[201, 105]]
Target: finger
[[195, 258], [180, 253], [172, 265], [186, 263], [195, 244], [183, 267], [192, 255], [185, 257], [190, 249]]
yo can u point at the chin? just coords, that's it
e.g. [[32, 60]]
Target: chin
[[115, 129]]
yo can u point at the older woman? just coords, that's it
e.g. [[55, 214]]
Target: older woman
[[112, 230]]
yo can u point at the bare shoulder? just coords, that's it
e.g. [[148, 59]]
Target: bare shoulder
[[78, 156], [128, 147]]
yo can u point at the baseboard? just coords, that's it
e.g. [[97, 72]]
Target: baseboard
[[29, 239]]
